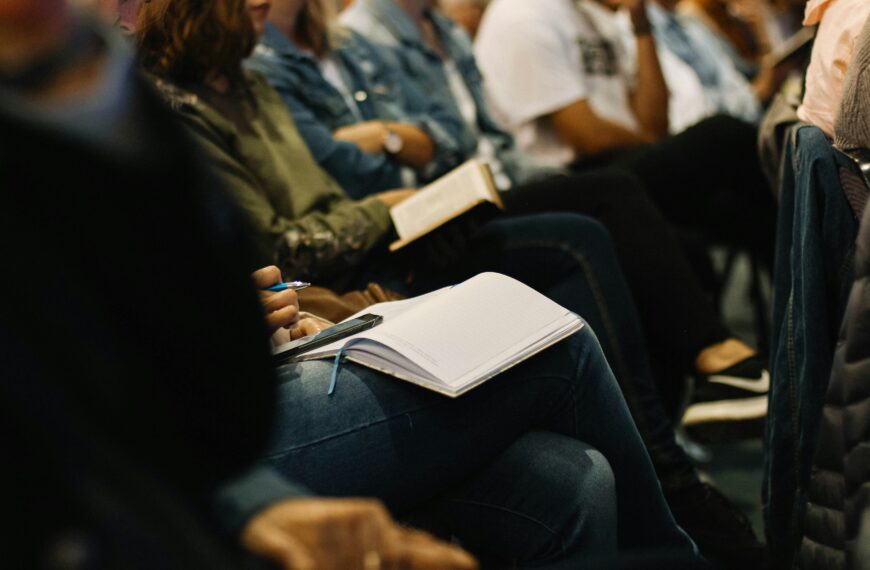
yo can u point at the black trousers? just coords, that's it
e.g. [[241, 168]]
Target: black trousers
[[706, 179], [676, 313]]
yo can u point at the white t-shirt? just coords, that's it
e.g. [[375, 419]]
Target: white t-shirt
[[539, 56]]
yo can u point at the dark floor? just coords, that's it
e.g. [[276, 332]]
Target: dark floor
[[736, 470]]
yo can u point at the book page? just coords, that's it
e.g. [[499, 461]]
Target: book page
[[389, 310], [471, 324], [442, 200]]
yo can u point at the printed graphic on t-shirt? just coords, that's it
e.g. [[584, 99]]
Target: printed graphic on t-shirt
[[599, 57]]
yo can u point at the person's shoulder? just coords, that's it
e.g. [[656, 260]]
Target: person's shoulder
[[853, 14], [358, 18], [262, 90], [366, 23], [176, 97], [538, 10], [519, 20]]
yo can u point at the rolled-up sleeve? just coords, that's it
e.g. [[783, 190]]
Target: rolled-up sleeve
[[359, 173]]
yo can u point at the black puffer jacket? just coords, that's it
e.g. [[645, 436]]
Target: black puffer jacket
[[839, 493]]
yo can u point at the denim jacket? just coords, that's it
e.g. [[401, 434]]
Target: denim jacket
[[813, 274], [386, 24], [380, 93]]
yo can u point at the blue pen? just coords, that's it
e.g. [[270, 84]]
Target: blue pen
[[295, 285]]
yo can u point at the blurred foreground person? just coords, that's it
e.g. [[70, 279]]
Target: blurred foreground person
[[127, 400]]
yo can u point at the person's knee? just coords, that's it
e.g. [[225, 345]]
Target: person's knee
[[580, 491], [578, 232], [628, 203]]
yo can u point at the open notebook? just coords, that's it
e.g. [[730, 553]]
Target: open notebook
[[456, 338]]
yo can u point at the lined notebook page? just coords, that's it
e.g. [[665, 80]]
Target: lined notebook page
[[440, 337]]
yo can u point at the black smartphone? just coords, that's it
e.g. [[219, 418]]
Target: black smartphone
[[287, 351]]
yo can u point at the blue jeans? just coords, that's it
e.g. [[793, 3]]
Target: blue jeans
[[812, 275], [571, 259], [540, 466]]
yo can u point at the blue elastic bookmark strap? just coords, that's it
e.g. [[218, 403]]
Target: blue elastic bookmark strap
[[336, 365]]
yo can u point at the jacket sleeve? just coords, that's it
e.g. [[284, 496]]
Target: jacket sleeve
[[439, 121], [359, 173], [240, 499], [334, 235]]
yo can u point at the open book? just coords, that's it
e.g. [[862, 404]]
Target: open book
[[452, 195], [456, 338]]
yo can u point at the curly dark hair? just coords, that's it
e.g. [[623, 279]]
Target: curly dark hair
[[186, 40]]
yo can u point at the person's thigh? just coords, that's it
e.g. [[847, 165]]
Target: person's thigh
[[708, 178], [379, 436]]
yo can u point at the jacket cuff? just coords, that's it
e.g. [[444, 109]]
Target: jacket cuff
[[238, 500], [447, 152], [379, 213]]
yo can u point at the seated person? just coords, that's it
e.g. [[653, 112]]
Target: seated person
[[840, 23], [129, 426], [156, 392], [375, 428], [591, 105], [578, 285], [723, 88], [561, 115], [744, 26]]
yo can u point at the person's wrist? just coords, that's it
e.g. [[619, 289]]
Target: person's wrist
[[392, 142], [640, 19], [383, 133], [641, 26]]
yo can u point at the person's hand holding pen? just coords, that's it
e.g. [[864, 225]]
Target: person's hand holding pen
[[281, 306]]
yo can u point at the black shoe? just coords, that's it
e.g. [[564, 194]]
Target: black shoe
[[721, 531], [735, 394]]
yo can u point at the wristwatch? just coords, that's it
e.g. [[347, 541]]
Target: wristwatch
[[393, 142]]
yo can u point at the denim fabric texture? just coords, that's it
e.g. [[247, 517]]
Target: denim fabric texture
[[380, 92], [386, 24], [546, 453], [572, 260], [812, 276]]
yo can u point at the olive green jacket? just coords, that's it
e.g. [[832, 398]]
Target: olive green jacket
[[305, 223]]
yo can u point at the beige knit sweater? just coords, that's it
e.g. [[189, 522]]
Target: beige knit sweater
[[852, 126]]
